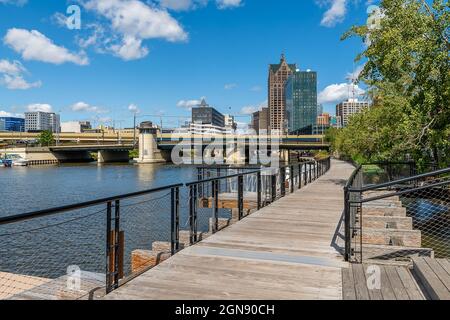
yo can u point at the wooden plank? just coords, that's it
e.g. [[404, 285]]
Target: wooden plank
[[396, 283], [348, 284], [374, 294], [410, 284], [362, 293], [433, 285], [445, 264], [439, 271], [386, 288], [275, 253]]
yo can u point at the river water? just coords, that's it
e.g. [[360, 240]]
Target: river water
[[45, 247], [25, 189]]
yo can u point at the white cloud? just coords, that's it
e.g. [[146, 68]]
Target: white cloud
[[18, 83], [249, 110], [33, 45], [188, 104], [336, 93], [133, 108], [85, 107], [10, 114], [132, 22], [43, 107], [230, 86], [225, 4], [336, 12], [353, 76], [182, 5], [11, 76], [15, 2]]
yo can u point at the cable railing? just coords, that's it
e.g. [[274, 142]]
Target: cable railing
[[397, 220], [86, 250]]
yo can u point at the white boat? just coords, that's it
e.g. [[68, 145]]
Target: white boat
[[17, 160]]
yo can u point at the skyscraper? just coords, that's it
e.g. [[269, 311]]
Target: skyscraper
[[278, 75], [301, 102]]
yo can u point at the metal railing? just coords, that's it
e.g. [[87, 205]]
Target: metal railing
[[399, 219], [90, 243], [89, 249]]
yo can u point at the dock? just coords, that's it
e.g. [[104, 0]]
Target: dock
[[291, 249]]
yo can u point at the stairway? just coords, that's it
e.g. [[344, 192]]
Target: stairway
[[387, 232]]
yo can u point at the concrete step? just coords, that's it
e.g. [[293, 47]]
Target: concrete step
[[384, 211], [433, 276], [407, 238], [387, 222], [394, 253]]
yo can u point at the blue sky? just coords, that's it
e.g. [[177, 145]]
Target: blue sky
[[162, 56]]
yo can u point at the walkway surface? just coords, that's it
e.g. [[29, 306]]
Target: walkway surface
[[288, 250]]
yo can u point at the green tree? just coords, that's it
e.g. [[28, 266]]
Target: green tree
[[407, 72], [46, 138]]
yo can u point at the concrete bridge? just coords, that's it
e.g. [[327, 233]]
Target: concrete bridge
[[71, 153], [154, 147]]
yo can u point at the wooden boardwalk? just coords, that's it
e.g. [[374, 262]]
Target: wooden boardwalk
[[288, 250]]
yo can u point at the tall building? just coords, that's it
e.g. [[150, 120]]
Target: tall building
[[301, 102], [278, 75], [260, 121], [41, 121], [12, 124], [348, 108], [204, 114]]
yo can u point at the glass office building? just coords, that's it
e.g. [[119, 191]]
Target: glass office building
[[301, 102], [12, 124]]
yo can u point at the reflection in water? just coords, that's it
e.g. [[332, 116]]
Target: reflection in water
[[45, 247]]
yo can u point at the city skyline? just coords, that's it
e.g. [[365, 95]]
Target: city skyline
[[198, 59]]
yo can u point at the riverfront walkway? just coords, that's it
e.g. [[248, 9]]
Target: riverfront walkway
[[288, 250]]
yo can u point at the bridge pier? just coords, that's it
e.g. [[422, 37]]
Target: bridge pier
[[148, 146], [105, 156], [284, 155]]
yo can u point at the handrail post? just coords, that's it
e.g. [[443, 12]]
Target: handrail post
[[175, 220], [282, 181], [347, 224], [299, 175], [305, 175], [310, 173], [116, 243], [215, 194], [108, 248], [292, 179], [258, 190], [241, 196], [193, 214], [274, 187]]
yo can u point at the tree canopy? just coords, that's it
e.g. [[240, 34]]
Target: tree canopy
[[46, 138], [407, 72]]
